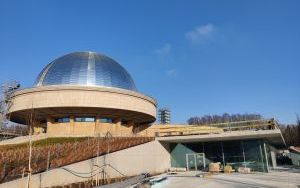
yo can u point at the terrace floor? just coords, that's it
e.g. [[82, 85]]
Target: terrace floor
[[279, 178]]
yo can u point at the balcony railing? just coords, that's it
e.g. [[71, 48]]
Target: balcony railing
[[253, 125]]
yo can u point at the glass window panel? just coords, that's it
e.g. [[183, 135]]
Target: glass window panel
[[89, 119], [62, 120], [254, 155], [106, 120], [84, 119]]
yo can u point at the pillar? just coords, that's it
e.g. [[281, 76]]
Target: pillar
[[72, 125], [273, 158], [49, 124], [97, 129]]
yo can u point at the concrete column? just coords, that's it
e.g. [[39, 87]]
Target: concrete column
[[97, 128], [72, 125], [116, 127], [273, 158], [130, 126], [266, 156], [49, 122], [117, 121]]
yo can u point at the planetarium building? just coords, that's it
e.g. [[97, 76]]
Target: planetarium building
[[88, 95], [83, 93]]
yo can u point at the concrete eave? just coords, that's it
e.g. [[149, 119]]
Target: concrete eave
[[273, 137], [60, 101]]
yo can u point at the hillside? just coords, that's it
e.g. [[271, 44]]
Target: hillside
[[56, 152]]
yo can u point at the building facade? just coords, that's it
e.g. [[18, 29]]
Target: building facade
[[88, 94], [83, 93]]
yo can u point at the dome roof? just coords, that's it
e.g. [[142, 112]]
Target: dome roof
[[85, 69]]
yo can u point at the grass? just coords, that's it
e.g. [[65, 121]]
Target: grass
[[44, 142]]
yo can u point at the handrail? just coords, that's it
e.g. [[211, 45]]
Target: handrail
[[264, 124]]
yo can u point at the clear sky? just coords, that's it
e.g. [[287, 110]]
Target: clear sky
[[195, 57]]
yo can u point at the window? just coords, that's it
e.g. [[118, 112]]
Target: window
[[105, 120], [62, 120], [84, 119]]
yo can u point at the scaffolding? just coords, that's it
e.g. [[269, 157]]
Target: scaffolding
[[7, 89], [6, 92]]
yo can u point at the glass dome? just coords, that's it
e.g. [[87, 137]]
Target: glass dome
[[85, 69]]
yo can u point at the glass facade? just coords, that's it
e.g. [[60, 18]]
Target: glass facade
[[85, 119], [62, 120], [239, 153], [106, 120], [85, 69]]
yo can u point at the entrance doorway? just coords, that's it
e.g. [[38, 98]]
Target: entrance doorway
[[195, 161]]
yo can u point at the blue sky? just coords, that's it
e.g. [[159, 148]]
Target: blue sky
[[195, 57]]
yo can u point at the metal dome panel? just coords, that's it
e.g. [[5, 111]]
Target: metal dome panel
[[85, 69]]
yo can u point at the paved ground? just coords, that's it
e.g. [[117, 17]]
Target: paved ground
[[280, 178]]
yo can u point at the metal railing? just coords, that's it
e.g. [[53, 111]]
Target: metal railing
[[252, 125]]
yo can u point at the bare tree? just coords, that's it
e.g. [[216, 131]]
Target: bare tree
[[211, 119], [6, 91], [291, 133]]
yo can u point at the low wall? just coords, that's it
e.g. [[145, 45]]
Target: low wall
[[23, 139], [151, 157]]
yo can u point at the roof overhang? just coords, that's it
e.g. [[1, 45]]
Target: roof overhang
[[59, 101], [273, 137]]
